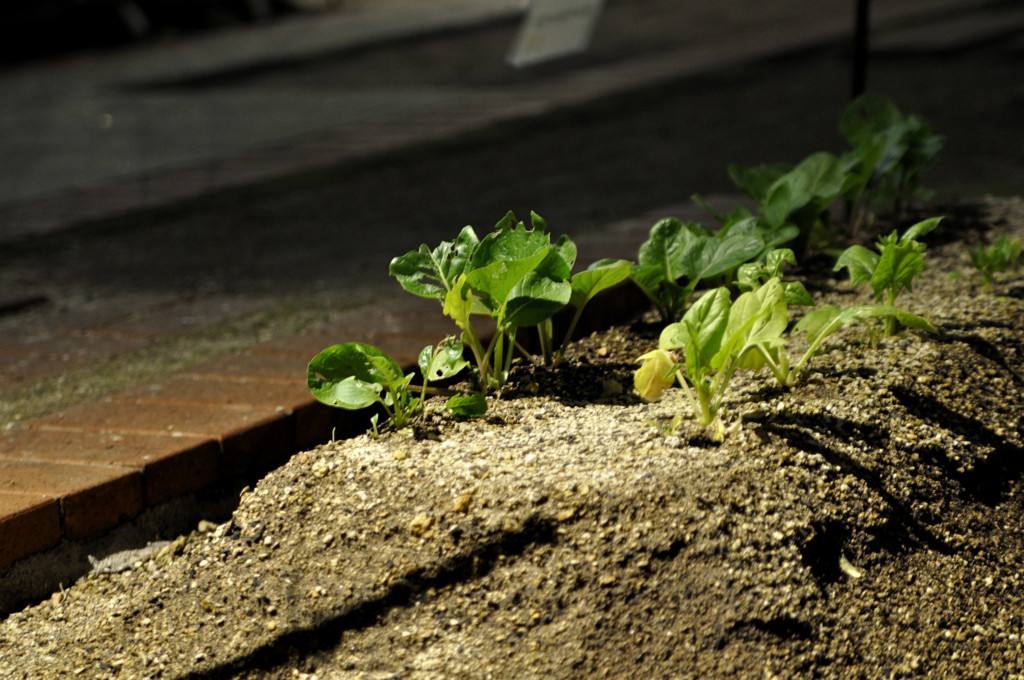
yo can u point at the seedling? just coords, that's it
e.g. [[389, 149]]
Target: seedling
[[515, 276], [715, 336], [889, 152], [1001, 256], [678, 256], [718, 337], [891, 269], [753, 275], [356, 376], [795, 197]]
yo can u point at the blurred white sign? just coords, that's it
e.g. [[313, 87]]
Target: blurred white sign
[[554, 28]]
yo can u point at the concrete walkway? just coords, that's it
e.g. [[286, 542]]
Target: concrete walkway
[[91, 445]]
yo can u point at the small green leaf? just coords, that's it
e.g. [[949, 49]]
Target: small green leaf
[[918, 230], [710, 256], [819, 177], [468, 405], [796, 294], [860, 262], [596, 278], [444, 362], [351, 375]]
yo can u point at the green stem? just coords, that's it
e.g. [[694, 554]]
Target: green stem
[[568, 336], [545, 331], [779, 369], [689, 391], [890, 320]]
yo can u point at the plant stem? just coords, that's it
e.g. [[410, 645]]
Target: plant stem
[[568, 336]]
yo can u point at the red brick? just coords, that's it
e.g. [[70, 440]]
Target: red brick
[[29, 523], [197, 420], [253, 367], [171, 466], [313, 420], [250, 438], [92, 497]]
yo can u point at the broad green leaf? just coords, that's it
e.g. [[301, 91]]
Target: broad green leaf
[[673, 336], [468, 405], [596, 278], [819, 177], [495, 281], [796, 294], [777, 259], [710, 256], [510, 240], [655, 374], [430, 273], [815, 322], [560, 260], [535, 299], [664, 251], [705, 323], [827, 319], [758, 317], [351, 375], [860, 262], [352, 394]]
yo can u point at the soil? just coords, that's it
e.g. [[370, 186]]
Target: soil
[[865, 523]]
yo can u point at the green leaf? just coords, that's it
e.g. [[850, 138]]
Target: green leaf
[[535, 299], [757, 318], [711, 256], [596, 278], [560, 260], [860, 262], [756, 181], [430, 273], [866, 117], [705, 323], [918, 230], [458, 303], [352, 375], [468, 405], [444, 362], [819, 320], [819, 178], [664, 252], [796, 294], [502, 259]]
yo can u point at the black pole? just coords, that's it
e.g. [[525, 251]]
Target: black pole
[[860, 48]]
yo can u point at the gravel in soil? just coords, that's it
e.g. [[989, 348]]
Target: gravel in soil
[[865, 523]]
